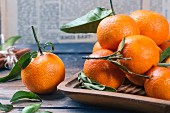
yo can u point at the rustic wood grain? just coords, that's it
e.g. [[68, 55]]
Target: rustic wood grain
[[56, 102]]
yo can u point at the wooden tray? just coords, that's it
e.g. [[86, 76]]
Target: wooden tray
[[112, 99]]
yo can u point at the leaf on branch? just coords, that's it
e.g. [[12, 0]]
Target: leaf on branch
[[91, 84], [16, 70], [87, 23], [165, 54], [10, 41]]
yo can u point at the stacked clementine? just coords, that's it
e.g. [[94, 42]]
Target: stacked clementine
[[146, 36], [103, 71], [112, 29]]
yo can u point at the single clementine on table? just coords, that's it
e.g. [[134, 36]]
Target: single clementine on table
[[158, 86], [112, 29], [44, 73], [103, 71], [152, 25], [144, 54], [96, 47]]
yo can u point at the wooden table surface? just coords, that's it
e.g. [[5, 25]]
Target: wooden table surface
[[57, 102]]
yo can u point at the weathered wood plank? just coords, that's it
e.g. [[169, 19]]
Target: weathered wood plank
[[73, 64], [79, 110], [57, 102]]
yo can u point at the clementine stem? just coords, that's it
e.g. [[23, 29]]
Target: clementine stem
[[113, 11], [36, 39], [112, 58], [164, 64]]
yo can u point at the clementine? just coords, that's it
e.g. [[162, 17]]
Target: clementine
[[169, 33], [112, 29], [103, 71], [44, 73], [144, 54], [96, 47], [152, 25], [165, 45], [158, 86]]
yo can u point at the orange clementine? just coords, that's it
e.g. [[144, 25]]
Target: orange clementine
[[167, 60], [112, 29], [158, 86], [144, 54], [139, 81], [103, 71], [165, 45], [169, 33], [152, 25], [96, 47], [160, 50], [44, 73]]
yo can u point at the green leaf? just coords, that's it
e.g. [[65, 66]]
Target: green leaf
[[10, 41], [50, 44], [26, 63], [34, 54], [6, 107], [126, 70], [165, 54], [91, 84], [24, 95], [87, 23], [16, 70], [32, 108], [122, 44]]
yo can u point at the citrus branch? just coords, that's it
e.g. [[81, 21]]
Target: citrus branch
[[113, 12], [36, 39]]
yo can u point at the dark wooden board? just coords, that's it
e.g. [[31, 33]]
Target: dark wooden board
[[57, 102]]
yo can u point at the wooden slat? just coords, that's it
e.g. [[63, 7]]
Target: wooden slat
[[57, 102], [64, 48], [79, 110]]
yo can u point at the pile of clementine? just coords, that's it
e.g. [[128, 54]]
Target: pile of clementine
[[146, 35]]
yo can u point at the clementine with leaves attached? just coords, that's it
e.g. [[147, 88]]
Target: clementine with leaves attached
[[103, 71], [112, 29], [144, 54], [152, 25], [158, 86], [96, 47], [44, 73]]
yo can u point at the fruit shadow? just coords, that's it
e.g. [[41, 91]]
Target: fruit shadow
[[57, 95]]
